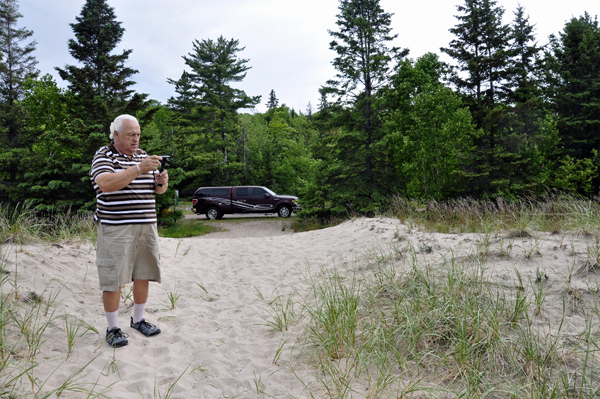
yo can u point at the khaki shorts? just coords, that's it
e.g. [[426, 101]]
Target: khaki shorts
[[125, 253]]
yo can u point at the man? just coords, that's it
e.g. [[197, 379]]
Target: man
[[126, 180]]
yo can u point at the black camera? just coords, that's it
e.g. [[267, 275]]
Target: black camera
[[164, 162]]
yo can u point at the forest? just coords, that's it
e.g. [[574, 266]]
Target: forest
[[508, 118]]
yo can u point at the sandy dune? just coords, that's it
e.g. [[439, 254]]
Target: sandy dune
[[216, 339]]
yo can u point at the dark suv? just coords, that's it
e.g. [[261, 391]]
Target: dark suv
[[217, 201]]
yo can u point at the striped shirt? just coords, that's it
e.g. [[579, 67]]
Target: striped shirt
[[132, 204]]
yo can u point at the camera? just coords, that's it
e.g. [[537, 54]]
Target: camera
[[164, 162]]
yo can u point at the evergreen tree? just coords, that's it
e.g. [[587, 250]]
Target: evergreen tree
[[273, 101], [214, 117], [103, 82], [573, 81], [360, 172], [522, 85], [480, 49], [17, 63]]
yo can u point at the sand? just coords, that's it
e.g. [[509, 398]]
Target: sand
[[216, 340]]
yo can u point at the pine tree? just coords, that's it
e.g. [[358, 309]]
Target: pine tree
[[363, 63], [273, 101], [17, 63], [480, 51], [573, 81], [187, 94], [522, 85], [103, 83], [214, 66]]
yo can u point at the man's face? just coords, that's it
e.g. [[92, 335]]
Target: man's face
[[128, 141]]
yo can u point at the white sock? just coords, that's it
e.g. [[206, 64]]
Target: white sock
[[113, 319], [138, 312]]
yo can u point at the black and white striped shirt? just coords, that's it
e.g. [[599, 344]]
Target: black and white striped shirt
[[134, 203]]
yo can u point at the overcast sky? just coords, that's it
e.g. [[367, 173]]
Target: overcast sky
[[286, 41]]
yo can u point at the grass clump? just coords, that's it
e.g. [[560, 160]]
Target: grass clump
[[21, 224], [405, 326], [187, 228], [551, 213], [315, 223]]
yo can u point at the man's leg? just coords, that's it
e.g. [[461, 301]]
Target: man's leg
[[110, 299], [114, 336], [140, 297]]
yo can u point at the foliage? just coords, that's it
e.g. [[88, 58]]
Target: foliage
[[59, 179], [480, 50], [186, 228], [355, 164], [207, 109], [431, 133], [573, 80], [17, 63]]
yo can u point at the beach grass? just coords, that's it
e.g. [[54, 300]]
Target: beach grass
[[395, 325], [187, 228]]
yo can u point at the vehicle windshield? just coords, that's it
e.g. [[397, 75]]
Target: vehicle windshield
[[270, 192]]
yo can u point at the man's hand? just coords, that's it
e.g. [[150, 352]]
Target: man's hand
[[150, 163], [162, 178]]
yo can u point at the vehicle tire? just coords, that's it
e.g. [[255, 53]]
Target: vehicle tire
[[284, 211], [213, 213]]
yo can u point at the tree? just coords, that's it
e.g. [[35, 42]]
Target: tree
[[103, 83], [430, 132], [57, 179], [214, 67], [480, 51], [273, 101], [522, 85], [187, 96], [573, 82], [17, 63], [363, 60]]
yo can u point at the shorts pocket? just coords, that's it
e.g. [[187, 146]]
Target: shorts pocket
[[107, 271], [105, 262]]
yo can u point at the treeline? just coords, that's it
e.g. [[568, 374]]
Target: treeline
[[507, 117]]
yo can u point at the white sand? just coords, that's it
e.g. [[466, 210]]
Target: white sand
[[218, 341]]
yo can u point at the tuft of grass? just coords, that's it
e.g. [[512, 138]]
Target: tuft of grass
[[446, 330], [187, 228], [21, 224], [314, 223], [553, 212]]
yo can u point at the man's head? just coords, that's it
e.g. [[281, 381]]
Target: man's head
[[125, 131]]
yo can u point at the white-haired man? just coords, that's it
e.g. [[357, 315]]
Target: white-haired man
[[126, 180]]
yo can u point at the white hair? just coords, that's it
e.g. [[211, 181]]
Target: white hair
[[118, 123]]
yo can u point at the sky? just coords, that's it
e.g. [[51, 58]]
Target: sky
[[286, 41]]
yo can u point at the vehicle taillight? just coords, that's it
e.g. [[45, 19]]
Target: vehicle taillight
[[194, 201]]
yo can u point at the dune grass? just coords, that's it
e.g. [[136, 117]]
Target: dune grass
[[187, 228], [394, 325], [444, 333]]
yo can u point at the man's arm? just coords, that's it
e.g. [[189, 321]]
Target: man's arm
[[110, 182], [162, 178]]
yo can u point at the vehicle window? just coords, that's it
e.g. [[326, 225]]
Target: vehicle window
[[242, 192], [219, 192], [270, 192], [203, 193], [258, 192]]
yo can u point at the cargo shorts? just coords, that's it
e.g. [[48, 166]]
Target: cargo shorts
[[125, 253]]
